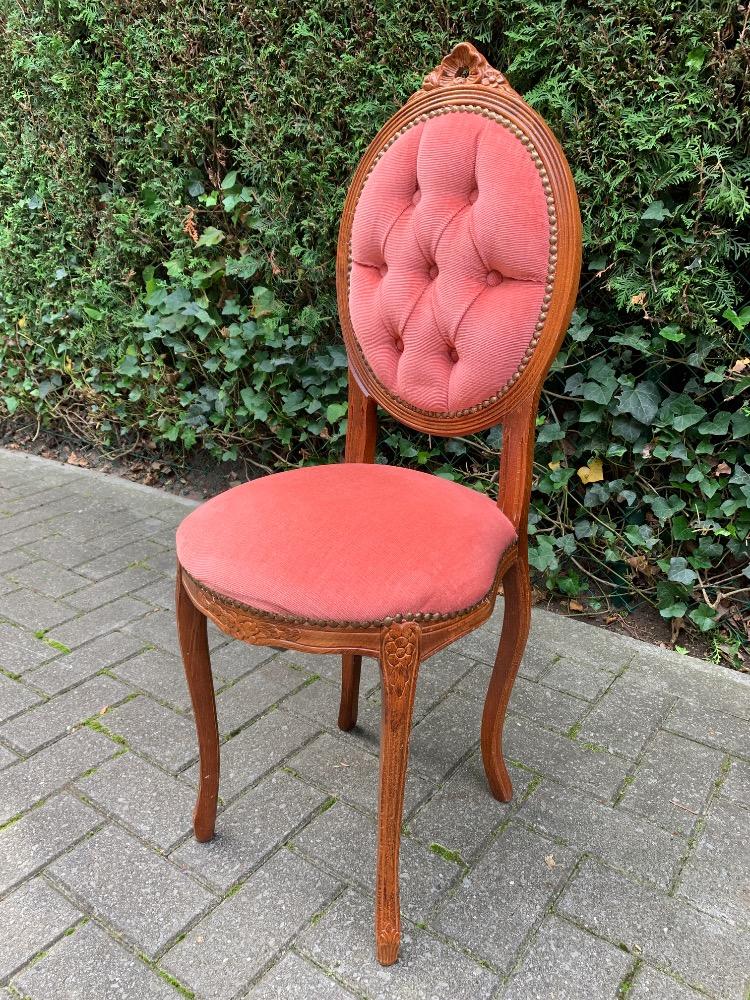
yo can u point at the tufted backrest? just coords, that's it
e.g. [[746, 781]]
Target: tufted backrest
[[451, 247]]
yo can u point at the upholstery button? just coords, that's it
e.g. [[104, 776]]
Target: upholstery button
[[399, 344], [433, 272], [416, 196], [383, 270], [493, 278], [473, 195], [453, 355]]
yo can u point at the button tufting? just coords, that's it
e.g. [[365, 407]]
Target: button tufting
[[399, 345], [453, 355], [433, 272], [473, 195], [493, 278], [416, 197], [383, 270]]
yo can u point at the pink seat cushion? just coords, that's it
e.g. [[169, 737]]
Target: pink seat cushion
[[347, 543], [450, 250]]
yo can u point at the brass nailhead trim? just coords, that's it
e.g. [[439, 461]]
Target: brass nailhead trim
[[551, 264], [424, 616]]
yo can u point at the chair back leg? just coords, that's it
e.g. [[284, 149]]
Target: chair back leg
[[351, 667], [193, 636], [516, 621], [399, 665]]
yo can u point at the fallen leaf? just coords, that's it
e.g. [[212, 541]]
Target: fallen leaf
[[638, 300], [549, 861], [103, 711], [722, 469], [575, 606], [554, 466], [739, 366], [591, 473]]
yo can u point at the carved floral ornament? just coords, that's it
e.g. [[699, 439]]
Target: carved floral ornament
[[464, 64]]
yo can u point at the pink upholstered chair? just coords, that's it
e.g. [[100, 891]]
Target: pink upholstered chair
[[458, 264]]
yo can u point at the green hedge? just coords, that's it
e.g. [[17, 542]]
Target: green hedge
[[171, 177]]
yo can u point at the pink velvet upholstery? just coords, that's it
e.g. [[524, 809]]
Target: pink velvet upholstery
[[347, 543], [450, 249]]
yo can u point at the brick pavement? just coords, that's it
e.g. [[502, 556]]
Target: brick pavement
[[621, 868]]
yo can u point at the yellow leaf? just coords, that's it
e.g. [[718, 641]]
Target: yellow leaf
[[591, 473], [21, 322], [554, 466]]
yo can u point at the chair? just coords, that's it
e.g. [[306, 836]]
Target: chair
[[458, 263]]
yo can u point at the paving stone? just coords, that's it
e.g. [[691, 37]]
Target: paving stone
[[157, 732], [159, 628], [254, 693], [7, 757], [577, 677], [343, 941], [250, 829], [15, 697], [31, 918], [93, 595], [319, 704], [622, 840], [216, 961], [652, 985], [567, 636], [99, 564], [34, 611], [329, 666], [28, 781], [62, 551], [87, 965], [45, 723], [626, 718], [694, 681], [21, 651], [39, 836], [716, 729], [546, 706], [13, 560], [109, 617], [346, 842], [737, 784], [161, 675], [295, 979], [704, 952], [256, 750], [159, 594], [716, 877], [351, 773], [448, 733], [567, 760], [237, 658], [157, 807], [672, 782], [139, 893], [463, 813], [505, 896], [565, 963], [71, 668], [49, 578], [482, 644]]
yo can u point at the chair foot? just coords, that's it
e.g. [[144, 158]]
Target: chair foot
[[351, 668], [399, 665], [191, 629], [516, 621]]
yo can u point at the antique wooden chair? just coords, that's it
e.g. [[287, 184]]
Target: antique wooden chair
[[458, 264]]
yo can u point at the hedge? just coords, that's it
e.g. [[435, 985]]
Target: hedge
[[171, 177]]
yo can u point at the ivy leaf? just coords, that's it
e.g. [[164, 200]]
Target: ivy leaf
[[210, 237], [335, 412], [591, 473], [641, 401], [680, 572], [656, 212], [704, 617], [229, 181]]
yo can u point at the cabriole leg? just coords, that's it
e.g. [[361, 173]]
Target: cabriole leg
[[516, 621], [399, 665], [191, 629]]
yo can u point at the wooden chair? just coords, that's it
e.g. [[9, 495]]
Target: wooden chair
[[458, 264]]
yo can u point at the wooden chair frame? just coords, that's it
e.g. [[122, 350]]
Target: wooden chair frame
[[463, 81]]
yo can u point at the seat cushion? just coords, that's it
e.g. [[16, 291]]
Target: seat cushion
[[347, 543]]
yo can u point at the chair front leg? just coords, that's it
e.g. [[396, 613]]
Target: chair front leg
[[193, 636], [351, 668], [516, 621], [399, 665]]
